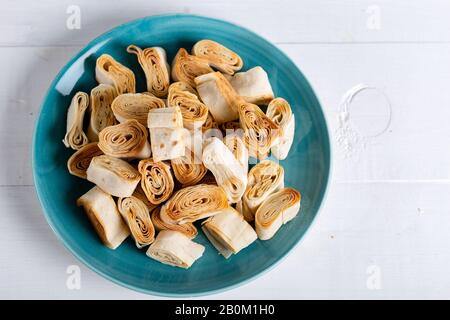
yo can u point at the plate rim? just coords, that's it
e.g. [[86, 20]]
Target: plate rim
[[88, 46]]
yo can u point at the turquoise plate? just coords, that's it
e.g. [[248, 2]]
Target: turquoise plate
[[307, 168]]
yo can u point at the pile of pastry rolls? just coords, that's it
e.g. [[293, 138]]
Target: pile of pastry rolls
[[178, 154]]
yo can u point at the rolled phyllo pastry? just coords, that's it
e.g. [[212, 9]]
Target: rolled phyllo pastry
[[186, 67], [194, 112], [193, 203], [260, 132], [157, 71], [188, 229], [126, 140], [238, 148], [102, 116], [264, 179], [80, 160], [140, 194], [217, 93], [136, 215], [229, 232], [188, 169], [175, 249], [109, 71], [227, 170], [279, 111], [253, 85], [156, 180], [104, 217], [183, 86], [166, 133], [279, 208], [136, 106], [210, 123], [218, 56], [75, 137], [114, 176]]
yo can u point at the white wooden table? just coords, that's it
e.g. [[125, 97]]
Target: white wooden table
[[384, 231]]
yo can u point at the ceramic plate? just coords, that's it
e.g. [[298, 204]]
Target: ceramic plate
[[307, 167]]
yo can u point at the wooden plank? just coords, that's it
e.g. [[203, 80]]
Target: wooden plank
[[414, 79], [40, 23], [361, 227], [25, 81]]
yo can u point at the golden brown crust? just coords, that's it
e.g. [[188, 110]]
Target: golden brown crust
[[125, 140], [187, 229], [218, 56], [260, 132], [135, 106], [153, 62], [109, 71], [187, 169], [186, 67], [101, 114], [80, 160], [194, 112], [156, 180], [137, 217], [193, 203], [75, 137]]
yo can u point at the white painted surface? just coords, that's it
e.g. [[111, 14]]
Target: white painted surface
[[383, 232]]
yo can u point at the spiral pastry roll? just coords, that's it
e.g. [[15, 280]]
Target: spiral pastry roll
[[114, 176], [102, 116], [210, 123], [140, 194], [194, 112], [186, 67], [75, 137], [229, 232], [193, 203], [260, 132], [175, 249], [263, 179], [166, 133], [218, 94], [136, 215], [136, 106], [188, 229], [157, 71], [109, 71], [238, 148], [227, 170], [183, 86], [126, 140], [104, 217], [279, 111], [218, 56], [156, 180], [188, 169], [253, 85], [279, 208], [80, 160]]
